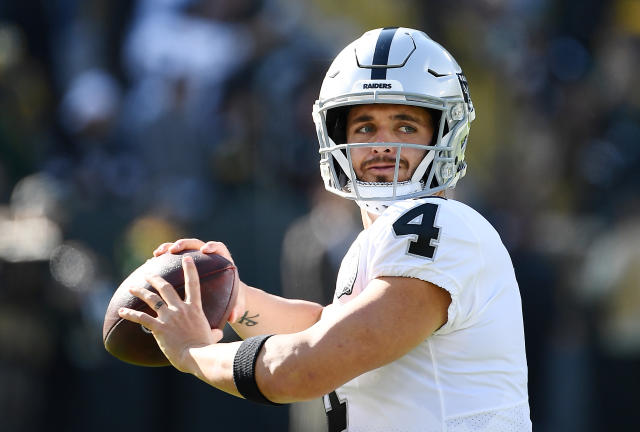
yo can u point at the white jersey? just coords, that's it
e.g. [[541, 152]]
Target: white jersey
[[471, 374]]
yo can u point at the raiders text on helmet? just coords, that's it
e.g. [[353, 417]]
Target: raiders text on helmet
[[376, 86]]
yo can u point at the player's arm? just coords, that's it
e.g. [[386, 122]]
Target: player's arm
[[392, 316], [256, 311], [264, 313], [389, 318]]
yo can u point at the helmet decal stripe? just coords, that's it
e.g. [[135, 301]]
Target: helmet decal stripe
[[381, 54]]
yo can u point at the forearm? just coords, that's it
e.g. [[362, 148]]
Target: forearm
[[264, 313], [283, 371], [213, 364], [344, 344]]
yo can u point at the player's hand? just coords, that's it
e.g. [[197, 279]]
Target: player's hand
[[210, 247], [180, 325]]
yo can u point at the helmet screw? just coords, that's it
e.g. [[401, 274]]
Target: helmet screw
[[457, 112]]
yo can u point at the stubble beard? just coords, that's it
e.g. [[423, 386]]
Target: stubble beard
[[381, 178]]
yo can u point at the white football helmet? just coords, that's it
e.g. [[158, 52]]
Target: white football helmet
[[394, 66]]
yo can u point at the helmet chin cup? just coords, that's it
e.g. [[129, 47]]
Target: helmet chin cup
[[370, 193]]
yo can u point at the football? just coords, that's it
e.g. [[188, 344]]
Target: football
[[131, 342]]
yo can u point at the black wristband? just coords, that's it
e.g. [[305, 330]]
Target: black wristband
[[244, 368]]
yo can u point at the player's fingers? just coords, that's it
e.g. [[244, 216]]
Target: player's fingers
[[163, 248], [138, 317], [217, 334], [165, 289], [215, 247], [191, 281], [153, 300], [183, 244]]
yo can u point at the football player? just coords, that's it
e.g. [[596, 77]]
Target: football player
[[425, 330]]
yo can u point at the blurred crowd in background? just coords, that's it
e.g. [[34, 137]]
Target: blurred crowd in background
[[125, 124]]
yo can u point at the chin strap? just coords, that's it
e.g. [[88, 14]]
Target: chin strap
[[384, 190]]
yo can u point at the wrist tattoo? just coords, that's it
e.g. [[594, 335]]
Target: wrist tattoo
[[247, 320]]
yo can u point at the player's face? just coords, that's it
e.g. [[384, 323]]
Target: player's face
[[385, 123]]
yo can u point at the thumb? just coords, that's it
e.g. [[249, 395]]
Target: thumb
[[217, 334]]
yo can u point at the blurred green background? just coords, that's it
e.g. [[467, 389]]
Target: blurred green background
[[125, 124]]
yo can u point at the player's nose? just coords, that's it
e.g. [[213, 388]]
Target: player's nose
[[383, 146], [382, 137]]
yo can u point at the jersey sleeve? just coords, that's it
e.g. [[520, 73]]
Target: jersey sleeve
[[428, 241]]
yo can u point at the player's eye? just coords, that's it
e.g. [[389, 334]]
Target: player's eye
[[364, 129], [407, 129]]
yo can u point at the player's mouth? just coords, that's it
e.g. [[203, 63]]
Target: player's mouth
[[382, 166], [382, 169]]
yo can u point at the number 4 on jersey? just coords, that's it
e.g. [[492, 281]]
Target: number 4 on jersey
[[419, 221], [336, 412]]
